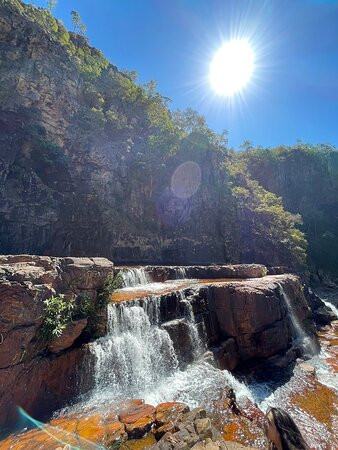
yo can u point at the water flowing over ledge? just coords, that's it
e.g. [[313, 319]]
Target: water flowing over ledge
[[176, 338]]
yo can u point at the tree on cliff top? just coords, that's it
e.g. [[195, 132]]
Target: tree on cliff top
[[79, 26]]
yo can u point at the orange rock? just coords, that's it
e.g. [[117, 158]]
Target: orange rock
[[141, 427], [39, 440], [91, 428], [66, 424], [114, 432], [137, 412], [170, 412]]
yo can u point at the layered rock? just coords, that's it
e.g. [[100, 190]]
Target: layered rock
[[240, 322], [38, 374], [164, 273], [167, 426]]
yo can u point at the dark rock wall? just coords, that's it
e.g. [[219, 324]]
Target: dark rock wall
[[67, 191]]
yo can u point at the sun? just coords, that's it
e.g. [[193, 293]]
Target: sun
[[232, 67]]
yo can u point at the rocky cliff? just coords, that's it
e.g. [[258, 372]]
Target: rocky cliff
[[313, 193], [242, 321], [68, 187], [93, 164]]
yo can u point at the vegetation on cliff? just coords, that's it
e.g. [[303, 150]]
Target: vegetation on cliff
[[109, 167], [306, 178]]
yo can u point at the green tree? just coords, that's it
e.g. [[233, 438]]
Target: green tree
[[51, 4], [79, 26]]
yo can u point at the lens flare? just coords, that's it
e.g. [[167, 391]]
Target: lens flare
[[65, 439], [232, 67], [186, 180]]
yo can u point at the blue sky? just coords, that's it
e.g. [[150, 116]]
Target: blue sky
[[293, 93]]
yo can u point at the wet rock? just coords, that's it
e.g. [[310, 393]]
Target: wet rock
[[322, 314], [163, 429], [91, 428], [203, 428], [163, 273], [139, 428], [69, 335], [307, 368], [226, 354], [115, 432], [179, 333], [170, 412], [136, 412], [138, 419]]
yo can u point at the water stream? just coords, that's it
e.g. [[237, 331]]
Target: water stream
[[300, 336], [134, 276], [138, 359]]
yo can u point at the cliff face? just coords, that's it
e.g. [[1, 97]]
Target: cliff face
[[93, 164], [66, 188], [307, 180]]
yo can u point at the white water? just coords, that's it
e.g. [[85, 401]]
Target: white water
[[331, 306], [180, 273], [137, 359], [134, 277], [301, 337]]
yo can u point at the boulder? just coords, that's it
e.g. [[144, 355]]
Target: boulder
[[179, 332], [138, 419], [170, 412], [68, 337], [203, 428]]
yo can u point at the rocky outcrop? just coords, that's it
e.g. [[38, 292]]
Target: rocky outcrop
[[168, 426], [322, 314], [239, 321], [164, 273], [92, 163], [66, 186], [242, 320], [36, 373]]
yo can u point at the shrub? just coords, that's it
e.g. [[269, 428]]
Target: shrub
[[58, 312]]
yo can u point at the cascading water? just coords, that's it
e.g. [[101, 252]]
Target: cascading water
[[332, 307], [137, 359], [197, 346], [135, 355], [300, 336], [132, 277], [180, 273]]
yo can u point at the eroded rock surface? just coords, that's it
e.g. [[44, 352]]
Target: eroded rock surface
[[36, 374], [168, 426], [239, 321]]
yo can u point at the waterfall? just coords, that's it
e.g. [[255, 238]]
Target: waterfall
[[197, 346], [333, 308], [137, 359], [301, 337], [134, 355], [180, 273], [134, 277]]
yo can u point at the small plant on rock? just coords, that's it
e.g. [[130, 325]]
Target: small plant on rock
[[58, 313]]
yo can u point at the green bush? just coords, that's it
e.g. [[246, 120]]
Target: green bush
[[58, 312]]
